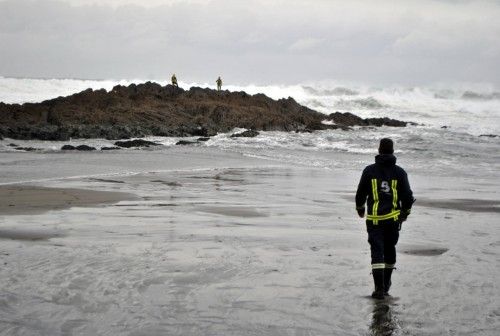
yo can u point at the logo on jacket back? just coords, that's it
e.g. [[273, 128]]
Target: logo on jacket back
[[385, 187]]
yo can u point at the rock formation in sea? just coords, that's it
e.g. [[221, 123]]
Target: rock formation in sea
[[349, 119], [146, 109]]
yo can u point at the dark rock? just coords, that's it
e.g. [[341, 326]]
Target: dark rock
[[109, 148], [12, 145], [27, 149], [309, 128], [202, 131], [135, 143], [68, 147], [385, 122], [246, 134], [349, 119], [79, 148], [203, 139], [159, 130], [445, 127], [185, 142], [85, 148], [41, 132], [489, 135]]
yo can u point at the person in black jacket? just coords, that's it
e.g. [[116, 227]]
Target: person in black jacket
[[385, 189]]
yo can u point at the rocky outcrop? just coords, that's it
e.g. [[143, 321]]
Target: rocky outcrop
[[27, 149], [136, 111], [186, 143], [246, 134], [349, 119], [79, 148], [135, 143]]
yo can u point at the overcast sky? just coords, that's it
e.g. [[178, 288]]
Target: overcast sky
[[253, 41]]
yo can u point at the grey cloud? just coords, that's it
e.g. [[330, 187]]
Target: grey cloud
[[279, 41]]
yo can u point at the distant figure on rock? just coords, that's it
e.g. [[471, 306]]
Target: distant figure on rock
[[385, 188], [174, 81], [219, 84]]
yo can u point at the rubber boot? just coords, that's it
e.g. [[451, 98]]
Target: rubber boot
[[378, 279], [387, 280]]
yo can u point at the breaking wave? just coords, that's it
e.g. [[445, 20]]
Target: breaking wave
[[338, 91], [481, 96], [362, 103]]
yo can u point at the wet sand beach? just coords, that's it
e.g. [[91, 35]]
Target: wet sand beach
[[224, 244], [31, 200]]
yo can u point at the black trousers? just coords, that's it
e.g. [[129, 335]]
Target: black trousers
[[383, 238]]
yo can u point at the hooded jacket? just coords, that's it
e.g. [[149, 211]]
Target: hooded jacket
[[385, 188]]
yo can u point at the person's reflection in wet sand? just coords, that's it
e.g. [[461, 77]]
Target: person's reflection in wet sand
[[384, 322]]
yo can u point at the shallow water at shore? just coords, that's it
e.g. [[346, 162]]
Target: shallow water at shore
[[223, 243]]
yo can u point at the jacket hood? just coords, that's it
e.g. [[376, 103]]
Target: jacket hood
[[385, 159]]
